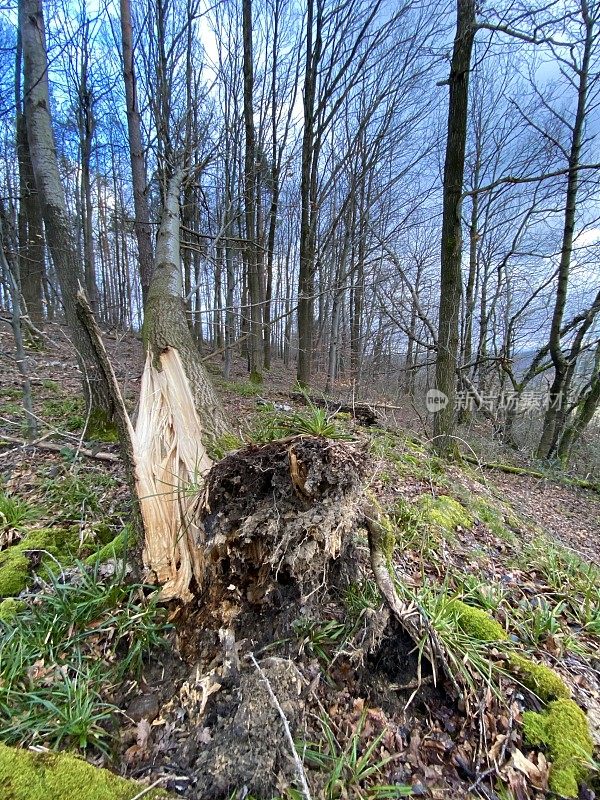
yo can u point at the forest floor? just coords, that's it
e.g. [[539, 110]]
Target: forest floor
[[89, 662]]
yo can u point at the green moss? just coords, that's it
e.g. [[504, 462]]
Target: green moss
[[255, 378], [56, 543], [389, 529], [563, 728], [224, 444], [444, 512], [116, 548], [9, 608], [477, 623], [25, 775], [343, 415], [540, 679], [100, 427]]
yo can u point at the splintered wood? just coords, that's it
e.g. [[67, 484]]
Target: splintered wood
[[170, 461]]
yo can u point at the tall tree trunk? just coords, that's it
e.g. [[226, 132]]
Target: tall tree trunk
[[143, 233], [444, 420], [308, 196], [86, 134], [179, 416], [30, 223], [560, 384], [255, 351], [59, 231]]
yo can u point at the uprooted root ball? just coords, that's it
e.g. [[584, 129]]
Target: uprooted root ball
[[280, 514]]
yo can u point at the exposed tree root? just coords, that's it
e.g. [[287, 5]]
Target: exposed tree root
[[409, 615]]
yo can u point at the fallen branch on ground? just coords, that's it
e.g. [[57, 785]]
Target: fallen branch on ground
[[581, 483], [362, 412], [59, 448]]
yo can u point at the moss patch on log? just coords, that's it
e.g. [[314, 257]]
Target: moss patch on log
[[116, 548], [25, 775], [9, 608], [563, 728]]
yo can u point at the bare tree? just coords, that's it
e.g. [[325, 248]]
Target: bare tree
[[136, 153], [59, 232]]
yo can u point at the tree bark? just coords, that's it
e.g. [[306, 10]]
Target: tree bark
[[143, 233], [451, 245], [583, 414], [561, 382], [30, 224], [179, 415], [308, 198], [255, 350], [59, 233]]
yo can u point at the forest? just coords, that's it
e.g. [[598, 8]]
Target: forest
[[299, 399]]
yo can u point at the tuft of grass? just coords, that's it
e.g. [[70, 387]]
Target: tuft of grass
[[573, 583], [14, 512], [473, 590], [224, 444], [314, 422], [362, 596], [60, 655], [321, 638], [66, 412], [11, 392], [535, 620], [272, 425], [466, 653], [245, 389], [351, 769]]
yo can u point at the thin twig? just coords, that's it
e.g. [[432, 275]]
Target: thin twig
[[288, 734], [147, 789]]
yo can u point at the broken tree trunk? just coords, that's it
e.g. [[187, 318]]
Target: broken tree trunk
[[179, 415]]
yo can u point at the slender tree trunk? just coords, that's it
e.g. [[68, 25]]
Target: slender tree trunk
[[30, 223], [255, 352], [308, 198], [142, 229], [444, 421], [166, 326], [560, 384], [10, 272], [59, 231], [583, 414], [86, 133], [471, 280]]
